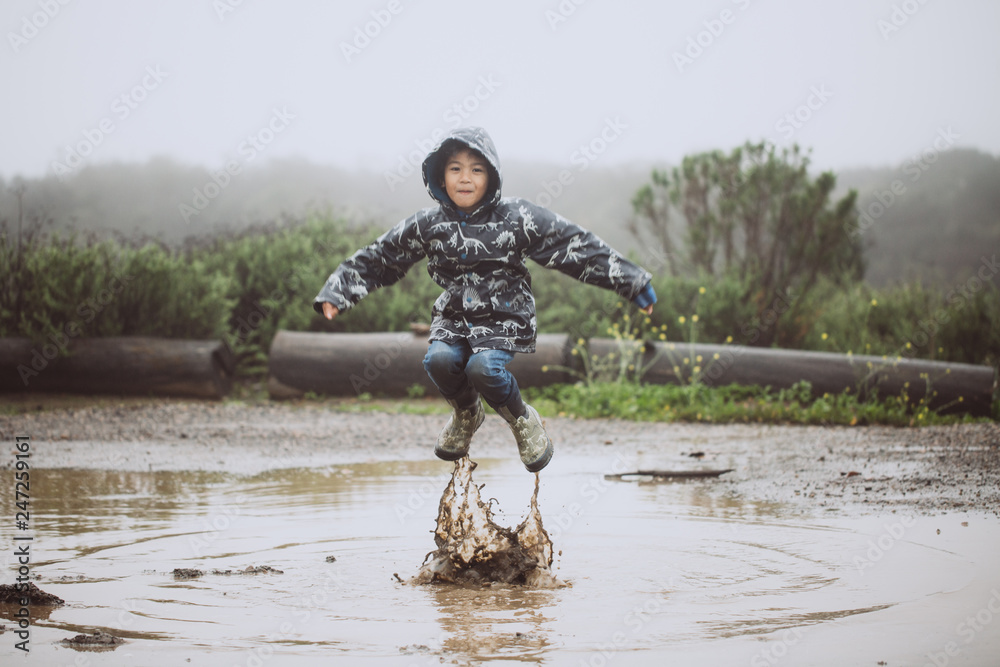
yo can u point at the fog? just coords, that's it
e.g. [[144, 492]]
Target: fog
[[575, 83]]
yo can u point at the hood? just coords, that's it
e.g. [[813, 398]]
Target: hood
[[477, 139]]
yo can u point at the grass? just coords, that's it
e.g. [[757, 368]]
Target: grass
[[695, 403], [732, 404]]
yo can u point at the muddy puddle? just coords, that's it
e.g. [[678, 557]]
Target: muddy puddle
[[310, 567]]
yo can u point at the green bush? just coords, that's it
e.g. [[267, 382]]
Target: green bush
[[243, 288]]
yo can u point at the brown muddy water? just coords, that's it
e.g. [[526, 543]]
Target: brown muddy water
[[646, 573]]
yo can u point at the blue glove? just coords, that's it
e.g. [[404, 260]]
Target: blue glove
[[645, 298]]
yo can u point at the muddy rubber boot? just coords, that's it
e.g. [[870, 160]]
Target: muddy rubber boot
[[453, 443], [533, 442]]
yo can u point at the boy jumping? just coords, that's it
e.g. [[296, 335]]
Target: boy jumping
[[476, 244]]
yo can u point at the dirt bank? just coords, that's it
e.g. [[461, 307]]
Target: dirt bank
[[865, 468]]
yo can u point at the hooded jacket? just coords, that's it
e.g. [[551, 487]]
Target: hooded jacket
[[479, 258]]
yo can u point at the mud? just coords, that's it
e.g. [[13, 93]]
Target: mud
[[98, 640], [823, 546], [11, 594], [473, 549], [192, 573]]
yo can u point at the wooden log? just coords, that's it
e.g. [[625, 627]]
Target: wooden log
[[382, 364], [953, 388], [668, 474], [118, 365]]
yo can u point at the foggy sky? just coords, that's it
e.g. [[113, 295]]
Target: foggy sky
[[365, 84]]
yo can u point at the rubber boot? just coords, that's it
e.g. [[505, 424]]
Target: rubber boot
[[453, 443], [533, 443]]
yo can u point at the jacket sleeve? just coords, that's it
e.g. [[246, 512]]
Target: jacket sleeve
[[557, 243], [379, 264]]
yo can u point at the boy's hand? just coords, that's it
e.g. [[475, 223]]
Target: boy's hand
[[648, 309], [330, 311]]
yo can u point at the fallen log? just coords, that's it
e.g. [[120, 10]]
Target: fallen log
[[383, 364], [668, 474], [951, 388], [118, 365]]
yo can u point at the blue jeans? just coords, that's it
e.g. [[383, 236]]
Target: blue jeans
[[459, 373]]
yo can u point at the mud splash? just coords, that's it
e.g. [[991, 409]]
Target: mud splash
[[472, 549]]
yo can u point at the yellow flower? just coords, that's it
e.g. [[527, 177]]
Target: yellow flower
[[824, 336], [649, 321], [580, 341], [610, 331], [687, 361], [697, 369], [694, 318], [701, 290], [682, 319], [715, 356], [663, 336], [574, 351], [908, 346], [874, 302], [545, 369], [729, 339], [698, 358]]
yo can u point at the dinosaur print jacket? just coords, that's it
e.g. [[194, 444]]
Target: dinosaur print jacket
[[479, 259]]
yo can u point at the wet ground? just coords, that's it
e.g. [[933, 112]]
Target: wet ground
[[786, 560]]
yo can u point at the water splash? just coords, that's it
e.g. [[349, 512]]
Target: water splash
[[473, 549]]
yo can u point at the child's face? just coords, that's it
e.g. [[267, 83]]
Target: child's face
[[466, 177]]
